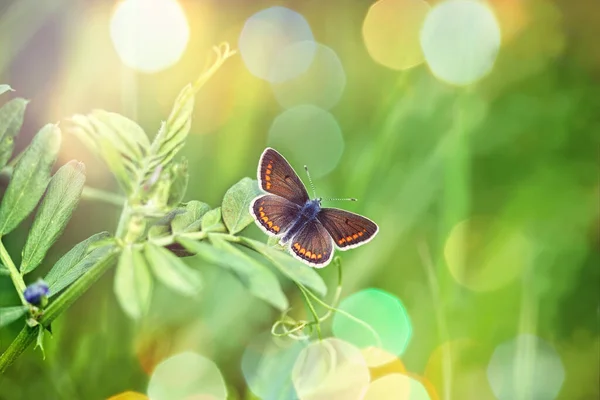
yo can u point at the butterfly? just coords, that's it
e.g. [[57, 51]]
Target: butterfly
[[309, 230]]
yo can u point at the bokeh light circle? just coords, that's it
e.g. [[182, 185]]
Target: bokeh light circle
[[129, 395], [485, 254], [330, 369], [187, 375], [308, 135], [383, 311], [396, 387], [321, 84], [460, 40], [526, 367], [267, 367], [264, 37], [391, 32], [149, 35]]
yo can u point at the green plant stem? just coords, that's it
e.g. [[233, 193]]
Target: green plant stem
[[15, 275], [310, 306], [68, 297]]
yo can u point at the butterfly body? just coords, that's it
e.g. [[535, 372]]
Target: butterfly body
[[308, 214], [311, 231]]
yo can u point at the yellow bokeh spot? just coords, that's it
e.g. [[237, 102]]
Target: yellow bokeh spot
[[149, 35], [391, 32], [485, 254], [396, 387], [129, 396]]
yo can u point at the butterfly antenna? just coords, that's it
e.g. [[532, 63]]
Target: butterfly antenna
[[348, 199], [312, 185]]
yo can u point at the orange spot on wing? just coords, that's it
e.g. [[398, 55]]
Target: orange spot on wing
[[268, 185], [348, 238], [261, 208], [268, 172], [270, 223], [297, 246], [360, 233], [355, 236], [320, 256], [313, 256], [265, 219], [302, 250], [308, 253], [262, 214], [276, 228], [270, 166], [267, 178]]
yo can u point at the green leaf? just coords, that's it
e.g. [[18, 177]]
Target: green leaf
[[5, 88], [211, 221], [11, 120], [294, 269], [172, 271], [179, 181], [39, 342], [4, 270], [11, 314], [30, 178], [56, 209], [190, 220], [125, 130], [76, 262], [257, 277], [133, 283], [172, 135], [236, 203]]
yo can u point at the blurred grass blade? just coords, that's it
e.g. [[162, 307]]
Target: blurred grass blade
[[289, 266], [5, 88], [190, 220], [256, 277], [11, 120], [133, 283], [179, 183], [172, 271], [11, 314], [236, 203], [30, 178], [76, 262], [54, 213]]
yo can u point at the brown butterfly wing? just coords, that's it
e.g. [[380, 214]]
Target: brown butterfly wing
[[312, 245], [347, 229], [274, 214], [276, 176]]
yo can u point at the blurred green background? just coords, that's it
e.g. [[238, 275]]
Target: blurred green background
[[486, 195]]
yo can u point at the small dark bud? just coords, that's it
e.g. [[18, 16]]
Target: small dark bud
[[37, 293]]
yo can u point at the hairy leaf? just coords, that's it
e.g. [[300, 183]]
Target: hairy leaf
[[127, 131], [56, 209], [5, 88], [211, 221], [256, 277], [236, 203], [172, 271], [289, 266], [133, 283], [190, 220], [173, 133], [11, 120], [11, 314], [76, 262], [30, 178]]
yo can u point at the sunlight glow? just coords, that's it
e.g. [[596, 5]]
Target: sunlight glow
[[460, 40], [149, 35]]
